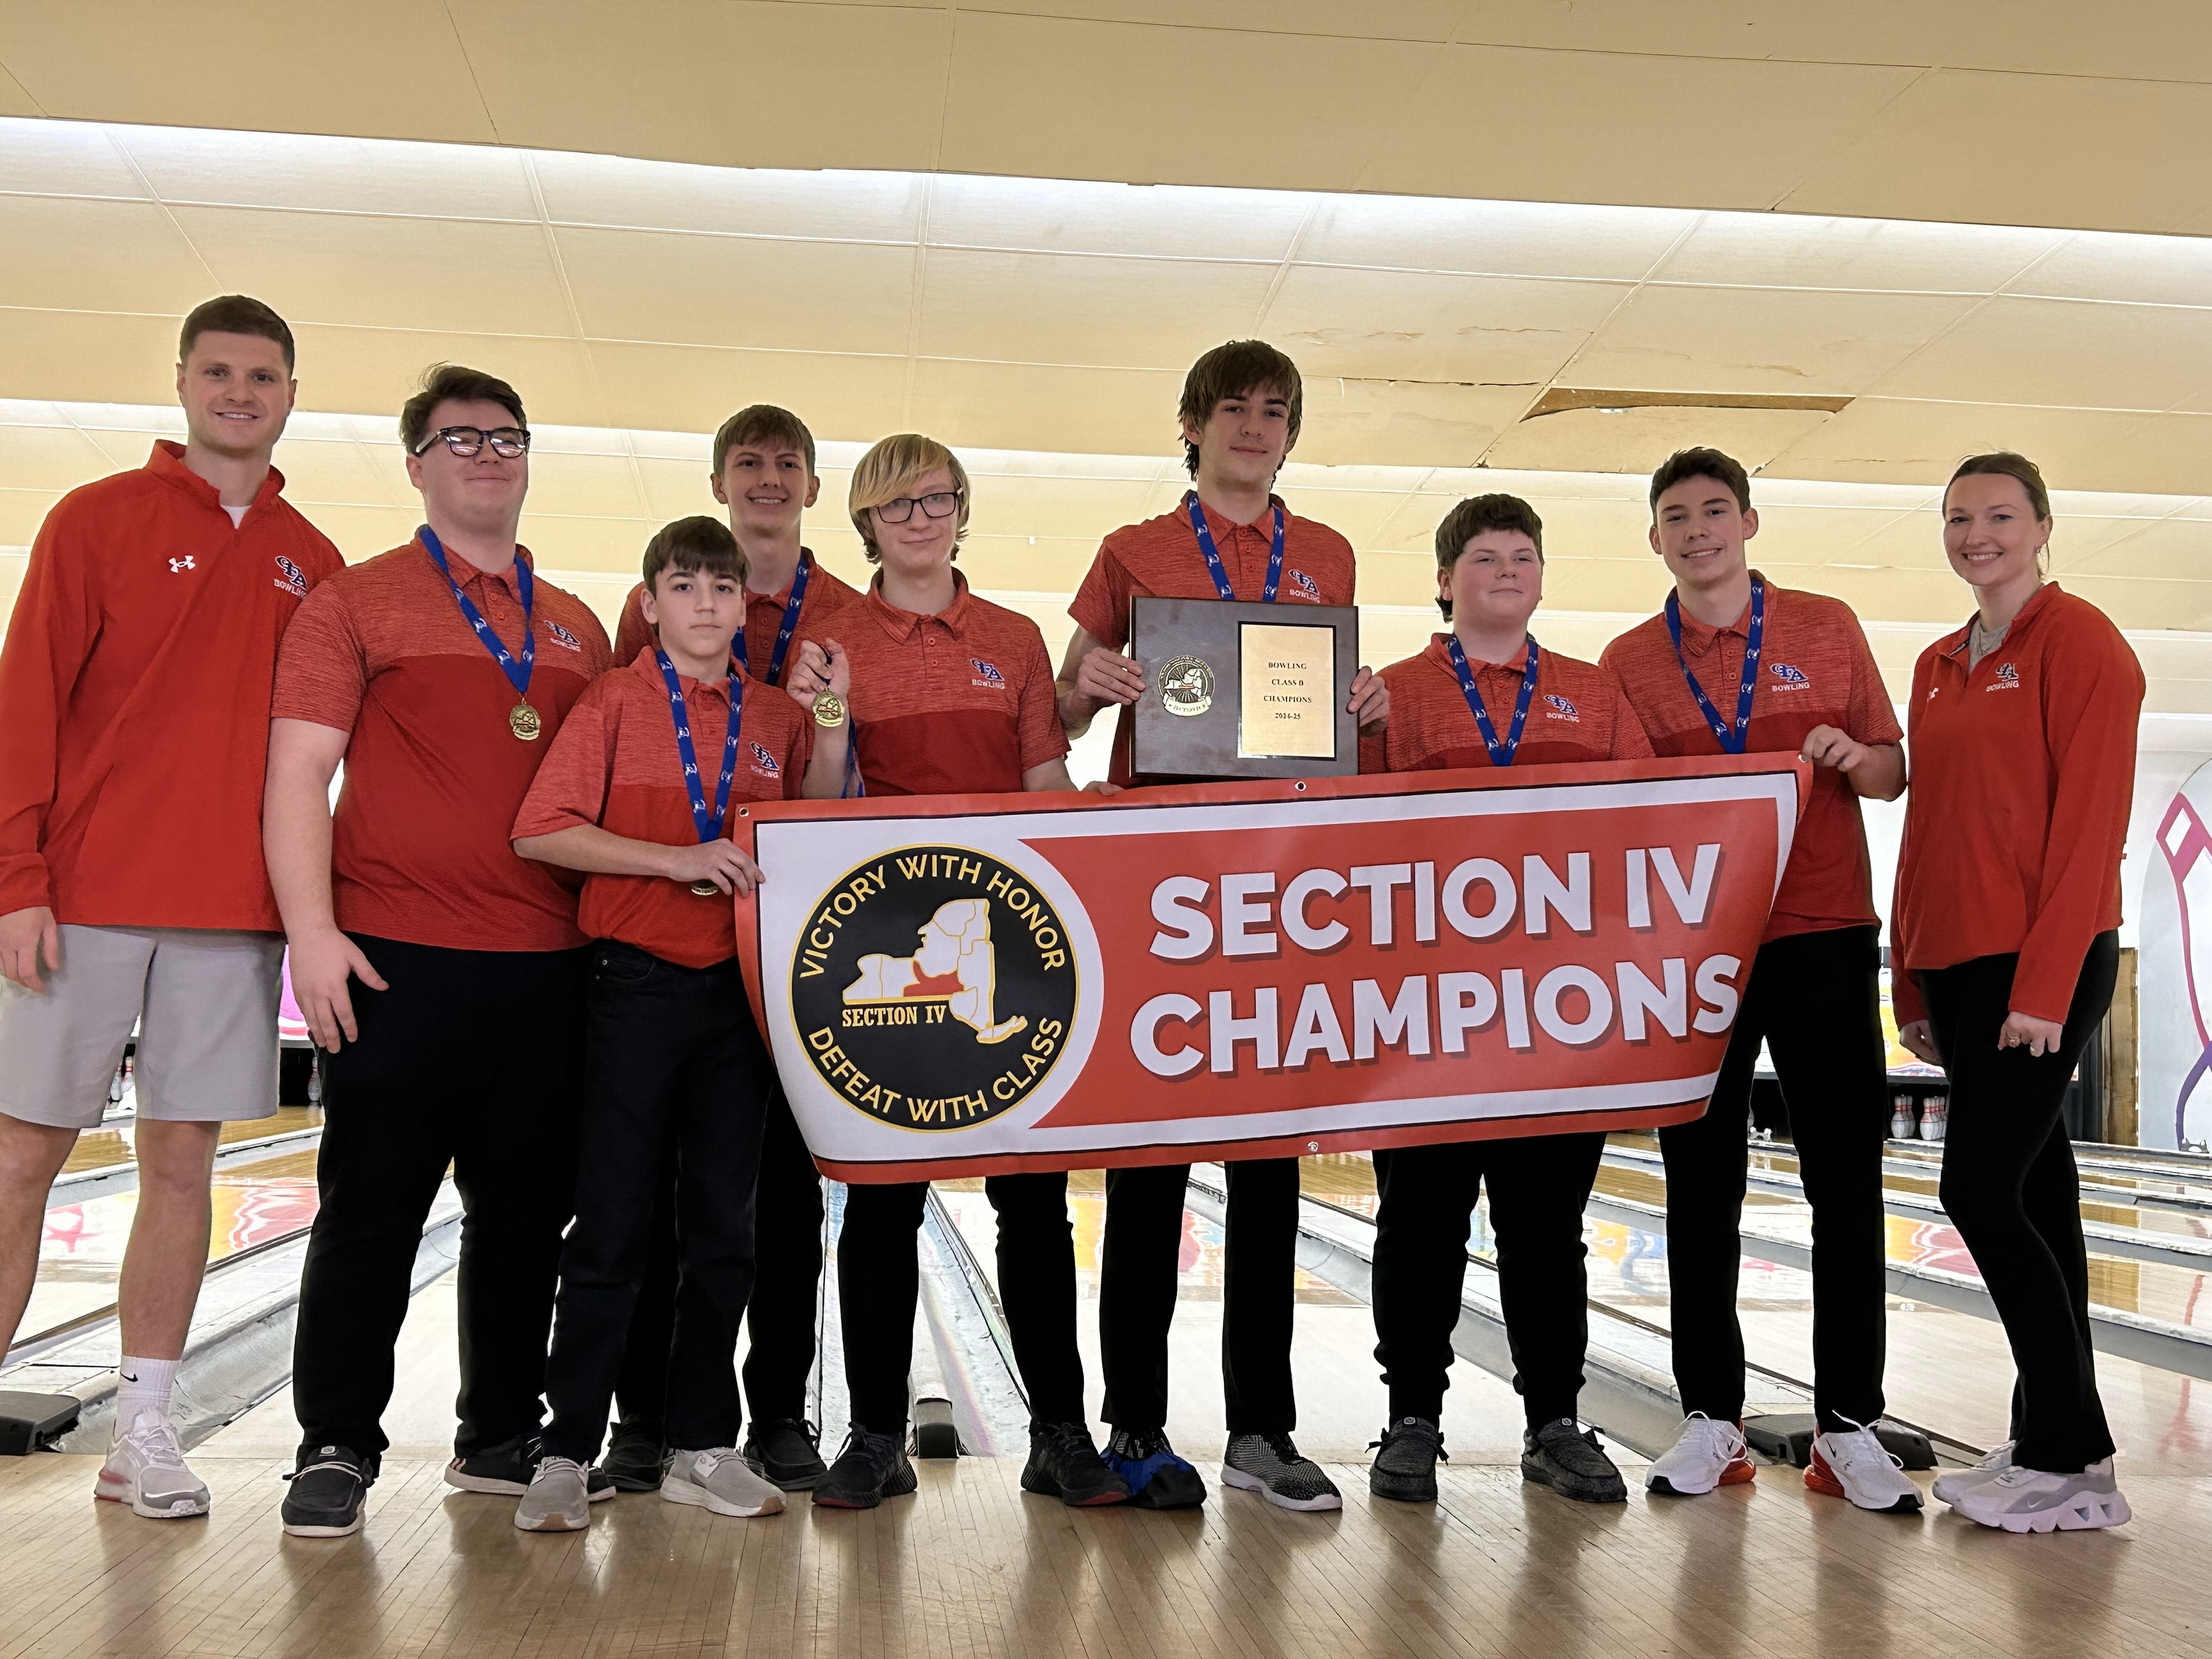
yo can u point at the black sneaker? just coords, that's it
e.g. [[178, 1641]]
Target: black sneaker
[[504, 1469], [871, 1468], [1273, 1466], [786, 1452], [1064, 1463], [1156, 1478], [1405, 1466], [1561, 1455], [328, 1492], [637, 1459]]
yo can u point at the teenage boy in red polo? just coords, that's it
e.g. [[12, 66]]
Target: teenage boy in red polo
[[136, 680], [949, 695], [1229, 538], [638, 793], [1485, 695], [1736, 664], [443, 975], [764, 474]]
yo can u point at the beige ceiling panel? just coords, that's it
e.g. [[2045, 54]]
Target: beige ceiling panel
[[1045, 508], [2093, 265], [66, 158], [1805, 536], [94, 357], [1113, 313], [1575, 527], [741, 291], [586, 486], [1769, 340], [1420, 326], [733, 82], [1621, 582], [22, 511], [676, 489], [1392, 636], [468, 276], [1113, 412], [2164, 454], [1894, 440], [821, 205], [2014, 149], [1068, 99], [1391, 20], [2056, 352], [331, 175], [1637, 440], [1360, 516], [1521, 239], [1054, 566], [362, 533], [321, 472], [1886, 592], [1777, 251], [1398, 578], [694, 389], [2168, 550], [2141, 602], [1603, 126], [1173, 221], [374, 370], [611, 545], [77, 255], [392, 69], [1351, 422], [15, 100], [1907, 541], [55, 458]]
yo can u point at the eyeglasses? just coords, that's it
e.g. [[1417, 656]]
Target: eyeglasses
[[507, 441], [942, 504]]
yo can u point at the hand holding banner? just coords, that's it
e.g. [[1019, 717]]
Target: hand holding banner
[[962, 985]]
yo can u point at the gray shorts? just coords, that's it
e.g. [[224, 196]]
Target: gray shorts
[[204, 1002]]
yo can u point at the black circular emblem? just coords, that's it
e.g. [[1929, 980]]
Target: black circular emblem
[[934, 987]]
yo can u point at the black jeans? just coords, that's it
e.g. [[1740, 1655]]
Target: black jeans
[[879, 1280], [672, 1054], [2011, 1190], [473, 1058], [1538, 1186], [1815, 998], [779, 1322], [1139, 1262]]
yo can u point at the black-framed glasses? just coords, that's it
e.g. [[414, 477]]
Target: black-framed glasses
[[939, 504], [507, 441]]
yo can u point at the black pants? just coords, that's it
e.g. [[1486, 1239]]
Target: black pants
[[1538, 1186], [2011, 1190], [672, 1055], [779, 1322], [473, 1058], [1815, 998], [1138, 1266], [879, 1281]]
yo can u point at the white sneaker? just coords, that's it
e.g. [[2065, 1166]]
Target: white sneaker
[[145, 1468], [2031, 1500], [1705, 1455], [1853, 1463], [1948, 1486], [556, 1500], [721, 1480]]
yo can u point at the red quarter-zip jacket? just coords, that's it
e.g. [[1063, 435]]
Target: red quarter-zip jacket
[[134, 700], [2023, 771]]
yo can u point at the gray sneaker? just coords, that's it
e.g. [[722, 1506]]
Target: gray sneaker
[[557, 1498], [1947, 1487], [1405, 1466], [145, 1468], [719, 1481], [1563, 1456], [2031, 1500], [1272, 1465]]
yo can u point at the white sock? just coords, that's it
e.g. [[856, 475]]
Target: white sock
[[145, 1390]]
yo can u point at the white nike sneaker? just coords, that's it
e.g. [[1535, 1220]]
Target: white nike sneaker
[[2031, 1500], [1948, 1485], [145, 1468], [719, 1481], [1853, 1463], [1705, 1455]]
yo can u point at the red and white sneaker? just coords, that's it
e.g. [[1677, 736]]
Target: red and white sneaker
[[1705, 1455], [145, 1468], [1853, 1463]]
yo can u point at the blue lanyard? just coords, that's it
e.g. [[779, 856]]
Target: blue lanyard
[[1501, 754], [1214, 557], [1735, 738], [790, 624], [518, 673], [709, 824]]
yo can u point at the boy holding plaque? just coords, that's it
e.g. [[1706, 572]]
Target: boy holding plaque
[[1736, 664], [672, 1055], [1486, 694], [1231, 537]]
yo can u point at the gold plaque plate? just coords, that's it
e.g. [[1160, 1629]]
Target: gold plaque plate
[[1289, 707]]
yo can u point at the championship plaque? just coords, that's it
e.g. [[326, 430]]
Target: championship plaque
[[1238, 689]]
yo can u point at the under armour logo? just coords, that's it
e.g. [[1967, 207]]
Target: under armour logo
[[177, 565]]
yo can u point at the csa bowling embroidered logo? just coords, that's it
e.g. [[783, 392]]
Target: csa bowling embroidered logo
[[1793, 679], [1305, 585], [987, 673], [2007, 678], [1562, 710], [934, 988], [564, 636], [764, 764], [292, 580]]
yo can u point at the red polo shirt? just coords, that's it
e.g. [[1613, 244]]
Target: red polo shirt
[[1816, 670], [1577, 714], [1160, 558], [135, 684], [616, 765], [422, 849], [2023, 770], [958, 703], [826, 600]]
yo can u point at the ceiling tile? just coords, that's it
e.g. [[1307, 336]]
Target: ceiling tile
[[1777, 251], [330, 174], [586, 486], [1083, 509], [2167, 550], [1419, 325], [2138, 602], [89, 355], [378, 369], [65, 158], [83, 255], [1115, 411], [1074, 216], [52, 459], [1637, 439], [2061, 352], [317, 472], [822, 204], [1109, 312], [698, 388], [362, 533], [1354, 422], [1521, 239], [1893, 441], [2093, 265]]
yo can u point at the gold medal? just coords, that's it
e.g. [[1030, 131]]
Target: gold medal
[[705, 888], [828, 709], [523, 721]]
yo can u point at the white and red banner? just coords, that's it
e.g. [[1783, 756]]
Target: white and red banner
[[965, 985]]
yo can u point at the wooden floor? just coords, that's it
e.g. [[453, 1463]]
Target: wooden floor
[[972, 1567]]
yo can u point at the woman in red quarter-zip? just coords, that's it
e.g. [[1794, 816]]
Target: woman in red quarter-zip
[[2005, 940]]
